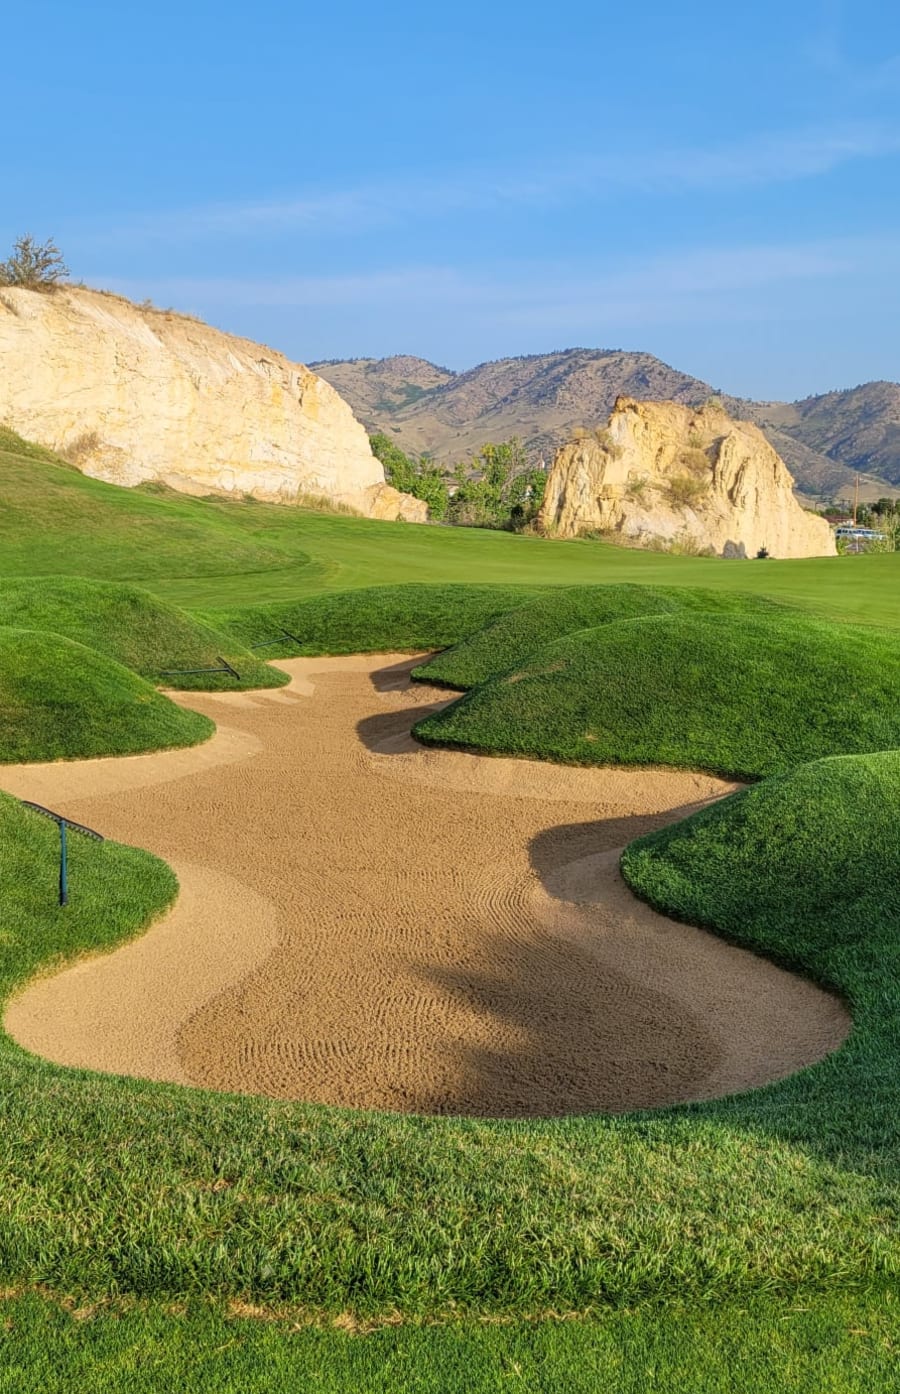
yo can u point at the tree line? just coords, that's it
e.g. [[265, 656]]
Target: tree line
[[496, 489]]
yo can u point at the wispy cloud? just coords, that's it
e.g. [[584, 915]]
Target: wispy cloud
[[827, 50], [764, 159], [683, 287]]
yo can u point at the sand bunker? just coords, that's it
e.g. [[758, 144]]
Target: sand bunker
[[364, 922]]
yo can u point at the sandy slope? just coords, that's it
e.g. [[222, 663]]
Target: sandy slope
[[363, 922]]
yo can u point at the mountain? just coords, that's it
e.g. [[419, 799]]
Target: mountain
[[542, 398], [859, 426]]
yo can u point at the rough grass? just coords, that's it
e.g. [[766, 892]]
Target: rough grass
[[842, 1344], [743, 698], [131, 626], [62, 701], [117, 1188], [805, 867], [372, 620], [507, 641]]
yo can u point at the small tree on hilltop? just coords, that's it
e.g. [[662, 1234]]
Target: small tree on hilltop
[[34, 265]]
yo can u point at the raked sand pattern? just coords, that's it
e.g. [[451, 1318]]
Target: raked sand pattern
[[363, 922]]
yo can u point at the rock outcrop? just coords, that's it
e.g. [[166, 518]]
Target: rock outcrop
[[682, 478], [132, 394]]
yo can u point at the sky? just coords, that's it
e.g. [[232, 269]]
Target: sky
[[715, 184]]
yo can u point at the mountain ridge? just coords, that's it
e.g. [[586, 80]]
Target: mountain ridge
[[825, 439]]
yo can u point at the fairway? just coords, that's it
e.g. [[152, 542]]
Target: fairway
[[217, 555]]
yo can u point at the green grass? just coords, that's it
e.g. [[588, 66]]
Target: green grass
[[225, 555], [116, 892], [698, 691], [754, 1233], [512, 637], [842, 1344], [62, 701], [133, 627], [56, 521], [805, 867], [373, 619]]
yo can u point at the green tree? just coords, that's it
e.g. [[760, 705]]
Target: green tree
[[34, 265], [498, 490], [422, 478]]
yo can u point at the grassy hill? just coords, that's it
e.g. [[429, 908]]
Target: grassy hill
[[373, 619], [805, 868], [694, 690], [62, 701], [213, 556], [508, 640], [128, 624]]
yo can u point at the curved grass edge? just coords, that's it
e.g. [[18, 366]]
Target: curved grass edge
[[120, 1186], [61, 700], [688, 690], [131, 626]]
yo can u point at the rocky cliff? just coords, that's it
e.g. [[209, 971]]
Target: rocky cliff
[[131, 394], [672, 476], [542, 398]]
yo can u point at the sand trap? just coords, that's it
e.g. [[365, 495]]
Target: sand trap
[[367, 923]]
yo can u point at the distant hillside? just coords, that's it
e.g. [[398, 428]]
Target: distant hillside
[[543, 397], [859, 426]]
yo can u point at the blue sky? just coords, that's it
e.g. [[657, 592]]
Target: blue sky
[[716, 184]]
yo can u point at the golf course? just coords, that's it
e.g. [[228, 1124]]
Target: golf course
[[489, 976]]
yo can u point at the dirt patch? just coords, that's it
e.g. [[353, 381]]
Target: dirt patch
[[368, 923]]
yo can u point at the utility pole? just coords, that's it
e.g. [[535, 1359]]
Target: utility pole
[[856, 501]]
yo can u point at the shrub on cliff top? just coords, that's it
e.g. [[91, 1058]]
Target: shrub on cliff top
[[34, 265]]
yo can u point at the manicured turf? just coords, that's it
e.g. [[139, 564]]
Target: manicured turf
[[373, 619], [222, 555], [743, 697], [55, 520], [510, 639], [62, 701], [718, 1215], [841, 1344], [805, 867], [131, 626]]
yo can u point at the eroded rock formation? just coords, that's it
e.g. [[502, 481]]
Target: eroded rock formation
[[681, 478], [131, 394]]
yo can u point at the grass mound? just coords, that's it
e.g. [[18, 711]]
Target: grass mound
[[130, 625], [372, 619], [62, 701], [508, 641], [55, 519], [804, 867], [743, 697], [114, 892]]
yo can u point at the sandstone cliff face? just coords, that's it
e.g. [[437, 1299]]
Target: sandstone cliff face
[[665, 475], [130, 394]]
